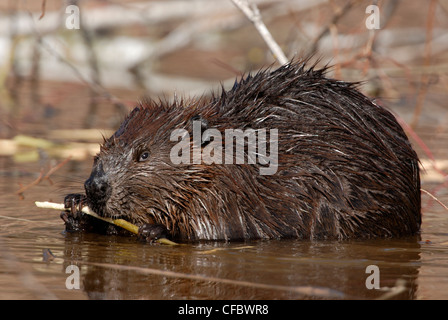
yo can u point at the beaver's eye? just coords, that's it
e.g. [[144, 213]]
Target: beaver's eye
[[143, 156]]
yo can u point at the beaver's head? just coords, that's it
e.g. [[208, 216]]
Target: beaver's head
[[137, 174]]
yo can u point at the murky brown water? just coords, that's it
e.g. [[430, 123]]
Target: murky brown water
[[122, 268]]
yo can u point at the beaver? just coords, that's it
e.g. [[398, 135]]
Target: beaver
[[336, 165]]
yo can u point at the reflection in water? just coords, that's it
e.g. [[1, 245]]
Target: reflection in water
[[121, 268]]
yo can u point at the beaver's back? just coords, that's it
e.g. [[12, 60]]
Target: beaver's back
[[346, 167]]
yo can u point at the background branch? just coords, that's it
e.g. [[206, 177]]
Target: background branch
[[253, 14]]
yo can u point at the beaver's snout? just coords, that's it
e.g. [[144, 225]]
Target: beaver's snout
[[97, 187]]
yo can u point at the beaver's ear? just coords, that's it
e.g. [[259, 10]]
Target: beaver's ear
[[201, 124], [202, 120]]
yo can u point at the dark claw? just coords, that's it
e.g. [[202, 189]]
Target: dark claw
[[151, 232], [75, 202], [73, 216], [71, 224]]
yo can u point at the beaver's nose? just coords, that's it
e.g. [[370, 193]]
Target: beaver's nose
[[97, 186]]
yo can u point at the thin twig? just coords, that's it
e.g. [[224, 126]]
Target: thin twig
[[42, 177], [301, 290], [422, 144], [253, 14], [425, 80], [434, 197], [92, 84], [56, 168], [44, 2], [336, 17], [35, 182]]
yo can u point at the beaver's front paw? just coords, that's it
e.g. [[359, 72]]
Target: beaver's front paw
[[151, 232], [73, 217]]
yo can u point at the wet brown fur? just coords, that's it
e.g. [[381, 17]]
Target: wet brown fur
[[346, 168]]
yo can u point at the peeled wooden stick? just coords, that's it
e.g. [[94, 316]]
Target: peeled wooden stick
[[118, 222]]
